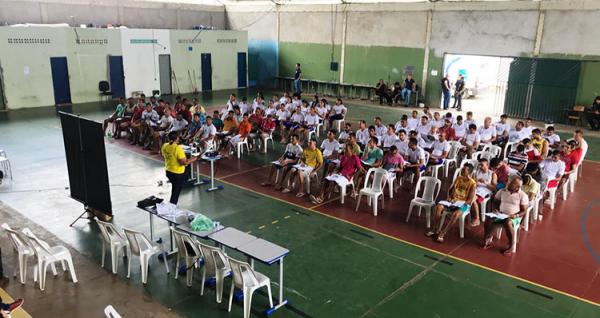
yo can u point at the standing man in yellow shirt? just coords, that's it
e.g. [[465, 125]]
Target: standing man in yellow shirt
[[175, 162]]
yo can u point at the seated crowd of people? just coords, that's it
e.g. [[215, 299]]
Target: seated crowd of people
[[527, 161], [494, 161], [147, 123]]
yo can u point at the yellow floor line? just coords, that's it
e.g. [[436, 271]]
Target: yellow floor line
[[400, 240]]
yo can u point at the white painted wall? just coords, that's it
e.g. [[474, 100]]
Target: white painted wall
[[504, 33], [140, 61], [387, 29], [571, 32]]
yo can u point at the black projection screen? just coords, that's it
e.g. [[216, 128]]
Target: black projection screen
[[86, 162]]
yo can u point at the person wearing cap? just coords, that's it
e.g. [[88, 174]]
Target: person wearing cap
[[175, 162]]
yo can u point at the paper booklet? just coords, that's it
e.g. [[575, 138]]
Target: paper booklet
[[457, 204]]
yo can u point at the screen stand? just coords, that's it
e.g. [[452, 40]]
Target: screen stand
[[85, 210]]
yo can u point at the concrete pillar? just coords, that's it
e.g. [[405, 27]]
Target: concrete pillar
[[539, 33], [343, 53], [426, 57]]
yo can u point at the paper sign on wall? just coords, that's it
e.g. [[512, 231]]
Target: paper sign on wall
[[434, 72], [26, 70]]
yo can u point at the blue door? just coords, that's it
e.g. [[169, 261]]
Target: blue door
[[60, 80], [206, 68], [242, 70], [117, 78]]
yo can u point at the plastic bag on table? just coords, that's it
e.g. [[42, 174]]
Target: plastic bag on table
[[202, 224]]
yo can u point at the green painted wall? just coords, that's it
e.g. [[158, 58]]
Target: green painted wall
[[589, 82], [367, 64], [433, 93], [314, 58], [186, 63]]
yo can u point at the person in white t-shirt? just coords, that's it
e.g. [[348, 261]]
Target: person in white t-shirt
[[338, 112], [271, 109], [552, 169], [437, 120], [502, 130], [469, 120], [380, 129], [528, 126], [244, 106], [323, 108], [311, 120], [362, 134], [296, 123], [487, 132], [439, 150], [389, 138], [416, 160], [402, 124], [345, 133], [402, 143], [518, 134], [471, 141], [330, 149], [460, 128], [424, 126], [232, 102], [208, 131], [552, 137], [426, 141], [413, 121]]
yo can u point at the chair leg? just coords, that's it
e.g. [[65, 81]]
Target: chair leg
[[231, 297], [72, 270], [220, 281], [177, 267], [461, 225], [270, 295], [248, 302], [103, 253], [428, 215], [203, 281], [375, 206], [114, 254], [129, 265], [342, 194], [358, 202], [410, 208]]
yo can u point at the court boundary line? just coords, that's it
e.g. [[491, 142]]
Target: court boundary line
[[394, 238]]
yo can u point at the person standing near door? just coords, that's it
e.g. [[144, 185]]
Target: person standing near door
[[175, 162], [446, 91], [297, 79], [459, 89]]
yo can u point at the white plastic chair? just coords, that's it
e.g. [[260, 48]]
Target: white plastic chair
[[22, 252], [248, 280], [390, 182], [47, 255], [5, 165], [188, 249], [452, 157], [483, 154], [240, 147], [461, 221], [375, 190], [435, 168], [431, 189], [339, 123], [111, 312], [139, 245], [215, 264], [516, 238], [552, 193], [483, 207], [508, 148], [265, 142], [496, 151], [319, 125], [113, 238]]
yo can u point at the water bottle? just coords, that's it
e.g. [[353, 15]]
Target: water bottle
[[110, 137]]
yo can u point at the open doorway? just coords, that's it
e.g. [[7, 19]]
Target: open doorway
[[486, 80]]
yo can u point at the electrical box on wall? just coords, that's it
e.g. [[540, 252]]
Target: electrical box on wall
[[333, 66]]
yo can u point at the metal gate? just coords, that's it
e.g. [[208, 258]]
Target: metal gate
[[542, 88]]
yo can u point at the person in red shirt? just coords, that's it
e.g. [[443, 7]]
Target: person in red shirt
[[349, 165], [244, 129], [571, 156], [447, 128], [136, 122], [266, 128]]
